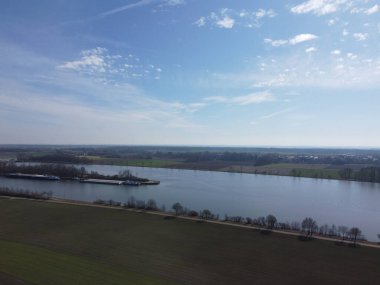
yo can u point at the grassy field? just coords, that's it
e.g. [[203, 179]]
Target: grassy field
[[48, 243], [160, 163]]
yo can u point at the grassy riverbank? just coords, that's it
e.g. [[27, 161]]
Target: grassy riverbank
[[49, 243], [322, 171]]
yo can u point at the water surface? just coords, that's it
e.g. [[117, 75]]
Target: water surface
[[248, 195]]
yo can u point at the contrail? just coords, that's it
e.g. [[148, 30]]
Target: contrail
[[126, 7]]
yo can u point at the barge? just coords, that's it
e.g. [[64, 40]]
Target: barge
[[102, 181], [32, 176], [111, 182]]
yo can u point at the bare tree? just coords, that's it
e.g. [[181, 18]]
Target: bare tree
[[343, 231], [206, 214], [324, 230], [295, 226], [151, 205], [131, 202], [177, 207], [354, 233], [260, 221], [309, 226], [270, 221]]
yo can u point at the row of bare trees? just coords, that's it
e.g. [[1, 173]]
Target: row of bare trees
[[308, 227], [21, 193]]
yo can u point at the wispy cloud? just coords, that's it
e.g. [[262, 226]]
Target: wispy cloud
[[310, 50], [228, 18], [86, 102], [92, 61], [174, 2], [276, 114], [318, 7], [252, 98], [292, 41], [100, 62], [125, 7], [360, 36], [302, 70], [368, 11]]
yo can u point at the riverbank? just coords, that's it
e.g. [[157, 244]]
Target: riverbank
[[87, 244], [300, 170]]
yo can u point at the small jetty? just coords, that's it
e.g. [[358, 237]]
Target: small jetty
[[111, 182], [32, 176], [150, 182]]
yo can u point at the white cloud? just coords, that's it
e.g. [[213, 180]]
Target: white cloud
[[372, 10], [301, 70], [276, 114], [174, 2], [99, 62], [228, 18], [261, 13], [331, 22], [310, 49], [360, 36], [276, 43], [226, 22], [302, 38], [125, 7], [318, 7], [352, 56], [345, 33], [368, 11], [336, 52], [92, 60], [200, 22], [253, 98], [293, 41], [216, 99]]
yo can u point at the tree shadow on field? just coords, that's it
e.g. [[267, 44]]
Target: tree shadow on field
[[169, 218], [265, 232], [305, 238], [353, 245]]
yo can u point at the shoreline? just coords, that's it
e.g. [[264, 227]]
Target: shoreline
[[227, 171], [174, 167], [197, 219]]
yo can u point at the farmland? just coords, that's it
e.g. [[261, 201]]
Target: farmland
[[49, 243]]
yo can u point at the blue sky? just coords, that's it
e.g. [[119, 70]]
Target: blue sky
[[190, 72]]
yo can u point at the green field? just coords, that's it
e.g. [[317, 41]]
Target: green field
[[49, 243], [160, 163]]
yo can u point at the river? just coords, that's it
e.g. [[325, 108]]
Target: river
[[247, 195]]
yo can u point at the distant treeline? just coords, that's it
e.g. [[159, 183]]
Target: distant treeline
[[83, 156], [57, 157], [63, 171], [259, 159], [366, 174]]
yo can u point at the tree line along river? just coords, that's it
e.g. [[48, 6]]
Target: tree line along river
[[248, 195]]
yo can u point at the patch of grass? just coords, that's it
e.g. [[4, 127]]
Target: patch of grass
[[42, 266], [74, 240], [296, 165], [317, 173], [151, 162], [159, 163]]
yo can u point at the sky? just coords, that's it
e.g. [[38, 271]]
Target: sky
[[190, 72]]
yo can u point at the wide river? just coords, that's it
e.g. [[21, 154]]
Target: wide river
[[248, 195]]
